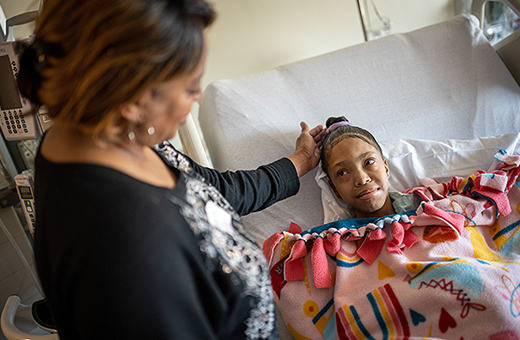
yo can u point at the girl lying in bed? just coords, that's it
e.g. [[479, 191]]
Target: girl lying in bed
[[445, 266]]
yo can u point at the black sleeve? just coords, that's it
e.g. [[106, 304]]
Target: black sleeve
[[253, 190]]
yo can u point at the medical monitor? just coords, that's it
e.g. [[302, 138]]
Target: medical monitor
[[16, 121]]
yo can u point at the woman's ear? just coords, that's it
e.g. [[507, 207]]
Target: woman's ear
[[131, 112], [387, 169], [135, 111]]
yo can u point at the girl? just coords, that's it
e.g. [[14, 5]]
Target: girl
[[358, 173]]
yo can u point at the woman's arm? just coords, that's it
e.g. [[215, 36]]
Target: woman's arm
[[253, 190]]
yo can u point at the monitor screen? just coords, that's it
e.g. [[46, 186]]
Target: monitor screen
[[9, 95]]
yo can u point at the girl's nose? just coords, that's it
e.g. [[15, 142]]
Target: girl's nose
[[362, 178]]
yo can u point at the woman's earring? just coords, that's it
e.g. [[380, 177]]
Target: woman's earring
[[131, 133], [150, 130]]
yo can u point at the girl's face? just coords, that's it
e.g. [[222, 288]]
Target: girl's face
[[359, 176]]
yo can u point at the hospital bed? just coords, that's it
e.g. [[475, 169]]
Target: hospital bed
[[441, 100]]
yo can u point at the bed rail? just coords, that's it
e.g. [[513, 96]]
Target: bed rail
[[191, 141], [477, 7], [509, 48]]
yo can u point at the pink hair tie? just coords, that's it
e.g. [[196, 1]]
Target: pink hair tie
[[337, 125]]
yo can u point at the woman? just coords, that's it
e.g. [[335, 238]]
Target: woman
[[134, 240]]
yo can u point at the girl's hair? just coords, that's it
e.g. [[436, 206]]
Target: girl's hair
[[340, 133], [91, 56]]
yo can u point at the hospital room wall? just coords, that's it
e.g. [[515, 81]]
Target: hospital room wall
[[250, 36]]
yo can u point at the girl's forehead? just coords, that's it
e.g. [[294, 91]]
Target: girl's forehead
[[352, 143], [350, 149]]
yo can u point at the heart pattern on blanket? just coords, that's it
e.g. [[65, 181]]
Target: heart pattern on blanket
[[414, 267], [437, 234], [417, 318], [446, 321]]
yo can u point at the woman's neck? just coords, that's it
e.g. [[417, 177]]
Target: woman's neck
[[68, 145]]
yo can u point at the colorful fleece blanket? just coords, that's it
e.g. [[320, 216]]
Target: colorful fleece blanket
[[448, 270]]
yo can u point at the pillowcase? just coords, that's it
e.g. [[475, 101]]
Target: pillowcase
[[411, 160]]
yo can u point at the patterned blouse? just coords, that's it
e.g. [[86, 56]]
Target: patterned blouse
[[120, 258]]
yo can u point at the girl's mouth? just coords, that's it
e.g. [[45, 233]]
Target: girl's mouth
[[368, 193]]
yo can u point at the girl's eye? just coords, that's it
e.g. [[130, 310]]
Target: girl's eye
[[370, 161], [341, 173]]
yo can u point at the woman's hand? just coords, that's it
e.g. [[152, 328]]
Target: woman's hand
[[307, 154]]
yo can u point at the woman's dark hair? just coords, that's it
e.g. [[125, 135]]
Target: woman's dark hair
[[340, 133], [91, 56]]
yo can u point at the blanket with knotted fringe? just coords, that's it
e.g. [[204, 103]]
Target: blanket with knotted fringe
[[449, 269]]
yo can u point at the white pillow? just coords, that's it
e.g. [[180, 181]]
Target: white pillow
[[410, 160]]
